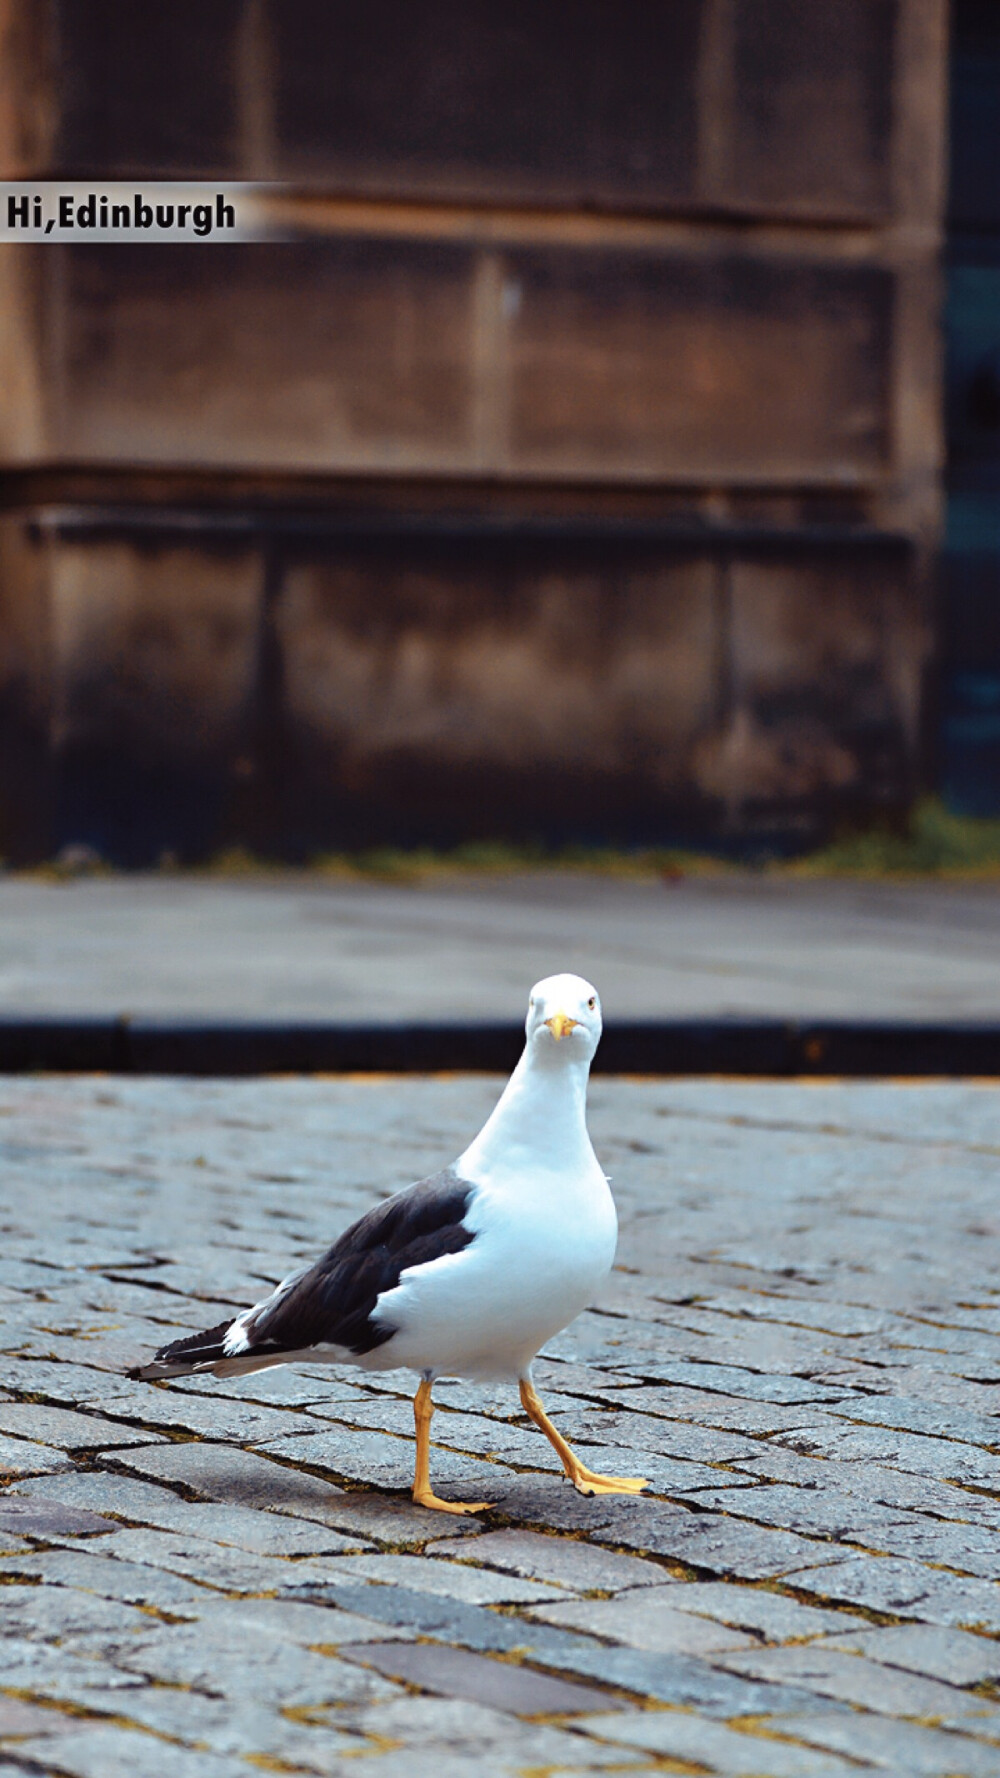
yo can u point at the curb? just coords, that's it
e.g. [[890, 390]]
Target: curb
[[761, 1047]]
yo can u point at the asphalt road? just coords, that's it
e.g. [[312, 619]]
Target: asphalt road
[[300, 949]]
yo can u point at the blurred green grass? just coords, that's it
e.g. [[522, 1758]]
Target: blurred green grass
[[935, 843], [493, 858]]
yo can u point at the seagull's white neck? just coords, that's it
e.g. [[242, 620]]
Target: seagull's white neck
[[539, 1123]]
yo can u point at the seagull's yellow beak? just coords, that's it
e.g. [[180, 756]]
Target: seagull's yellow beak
[[559, 1024]]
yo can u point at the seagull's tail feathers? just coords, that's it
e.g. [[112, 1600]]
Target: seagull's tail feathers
[[211, 1351]]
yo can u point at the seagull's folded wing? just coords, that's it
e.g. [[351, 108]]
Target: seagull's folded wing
[[331, 1303]]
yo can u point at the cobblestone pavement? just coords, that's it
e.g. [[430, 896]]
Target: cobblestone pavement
[[799, 1347]]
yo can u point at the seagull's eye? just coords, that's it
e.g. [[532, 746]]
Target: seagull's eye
[[592, 1002], [531, 1003]]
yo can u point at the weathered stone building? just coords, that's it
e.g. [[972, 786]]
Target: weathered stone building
[[574, 470]]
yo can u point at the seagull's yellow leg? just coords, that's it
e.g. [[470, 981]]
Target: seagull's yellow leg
[[423, 1493], [583, 1479]]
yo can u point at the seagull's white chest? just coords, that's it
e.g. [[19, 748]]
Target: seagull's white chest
[[544, 1243]]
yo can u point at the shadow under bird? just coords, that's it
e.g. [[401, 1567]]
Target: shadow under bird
[[467, 1273]]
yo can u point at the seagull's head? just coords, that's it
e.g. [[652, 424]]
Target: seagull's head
[[564, 1018]]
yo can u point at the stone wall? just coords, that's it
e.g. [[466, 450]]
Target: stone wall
[[573, 471]]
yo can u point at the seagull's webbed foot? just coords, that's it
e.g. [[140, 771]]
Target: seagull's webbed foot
[[584, 1480], [427, 1497]]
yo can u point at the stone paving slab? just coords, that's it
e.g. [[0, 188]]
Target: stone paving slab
[[952, 1655], [566, 1563], [706, 1743], [800, 1345], [73, 1432]]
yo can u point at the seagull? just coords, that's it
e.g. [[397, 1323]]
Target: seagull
[[467, 1273]]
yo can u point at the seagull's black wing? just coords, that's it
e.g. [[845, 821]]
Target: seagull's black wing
[[331, 1302]]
